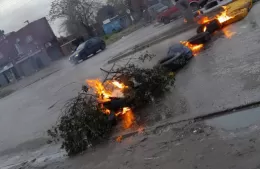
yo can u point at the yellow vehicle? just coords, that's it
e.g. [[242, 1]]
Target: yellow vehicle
[[238, 10], [234, 7]]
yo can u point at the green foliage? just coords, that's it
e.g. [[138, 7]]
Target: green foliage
[[149, 84], [81, 125]]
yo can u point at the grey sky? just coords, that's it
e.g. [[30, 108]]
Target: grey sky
[[13, 13]]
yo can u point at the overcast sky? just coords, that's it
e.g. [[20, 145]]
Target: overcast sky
[[13, 13]]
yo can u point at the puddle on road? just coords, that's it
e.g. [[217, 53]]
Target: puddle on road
[[238, 120]]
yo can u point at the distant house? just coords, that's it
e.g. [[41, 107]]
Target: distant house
[[27, 50]]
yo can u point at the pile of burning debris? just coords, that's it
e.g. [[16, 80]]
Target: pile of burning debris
[[207, 26], [179, 55], [89, 118]]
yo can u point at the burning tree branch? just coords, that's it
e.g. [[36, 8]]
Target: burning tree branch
[[88, 118]]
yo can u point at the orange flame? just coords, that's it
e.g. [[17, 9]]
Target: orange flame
[[119, 85], [104, 93], [204, 28], [128, 117], [223, 16], [204, 20], [99, 89], [119, 139], [194, 48]]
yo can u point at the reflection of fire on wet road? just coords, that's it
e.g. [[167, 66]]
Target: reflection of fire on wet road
[[107, 91], [228, 34], [222, 17], [210, 25]]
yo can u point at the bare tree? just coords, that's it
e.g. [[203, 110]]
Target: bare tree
[[79, 12], [120, 5], [105, 12]]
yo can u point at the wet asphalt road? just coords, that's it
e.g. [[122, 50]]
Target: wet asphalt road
[[224, 75], [28, 113]]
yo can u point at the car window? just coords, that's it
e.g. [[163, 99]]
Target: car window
[[81, 46], [93, 40], [176, 49], [158, 6], [211, 5]]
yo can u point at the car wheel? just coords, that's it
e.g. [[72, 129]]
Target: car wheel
[[85, 57], [166, 20], [103, 46], [200, 38], [194, 6]]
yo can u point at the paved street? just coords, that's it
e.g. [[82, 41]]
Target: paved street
[[222, 76], [28, 113], [210, 144]]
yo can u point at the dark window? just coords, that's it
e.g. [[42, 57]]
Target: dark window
[[211, 5]]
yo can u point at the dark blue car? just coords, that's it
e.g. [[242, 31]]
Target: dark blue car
[[87, 48], [178, 55]]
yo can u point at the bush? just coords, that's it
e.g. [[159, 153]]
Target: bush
[[83, 122], [81, 125]]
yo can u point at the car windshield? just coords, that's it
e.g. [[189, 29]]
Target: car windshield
[[158, 6], [211, 5], [81, 46], [175, 50]]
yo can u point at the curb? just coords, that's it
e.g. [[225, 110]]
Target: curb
[[151, 42], [196, 118]]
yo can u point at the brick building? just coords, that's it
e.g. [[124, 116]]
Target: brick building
[[27, 50]]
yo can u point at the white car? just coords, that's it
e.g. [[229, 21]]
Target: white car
[[214, 5]]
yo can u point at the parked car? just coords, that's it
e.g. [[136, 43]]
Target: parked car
[[84, 50], [167, 15], [214, 6], [154, 10], [173, 12], [178, 55]]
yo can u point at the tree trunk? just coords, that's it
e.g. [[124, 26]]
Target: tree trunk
[[89, 29]]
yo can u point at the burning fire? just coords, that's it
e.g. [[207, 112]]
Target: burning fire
[[204, 29], [204, 20], [119, 85], [99, 90], [119, 139], [223, 17], [128, 117], [105, 92], [194, 48]]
